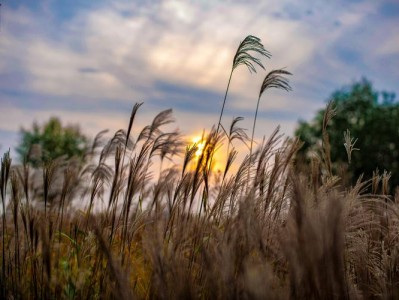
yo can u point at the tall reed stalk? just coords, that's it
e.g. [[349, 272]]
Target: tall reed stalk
[[273, 79], [4, 176], [244, 57]]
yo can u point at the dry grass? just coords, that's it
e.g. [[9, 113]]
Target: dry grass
[[192, 233], [263, 231]]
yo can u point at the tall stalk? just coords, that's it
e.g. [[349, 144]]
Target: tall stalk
[[274, 79], [4, 176], [243, 57], [224, 101]]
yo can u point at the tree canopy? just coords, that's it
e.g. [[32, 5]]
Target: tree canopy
[[42, 144], [372, 118]]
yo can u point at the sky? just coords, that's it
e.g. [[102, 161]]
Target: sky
[[88, 62]]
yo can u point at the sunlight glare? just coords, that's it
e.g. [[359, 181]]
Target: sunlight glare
[[200, 143]]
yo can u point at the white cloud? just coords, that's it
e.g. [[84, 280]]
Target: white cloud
[[121, 50], [170, 43]]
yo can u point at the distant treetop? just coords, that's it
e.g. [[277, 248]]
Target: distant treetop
[[372, 118], [50, 141]]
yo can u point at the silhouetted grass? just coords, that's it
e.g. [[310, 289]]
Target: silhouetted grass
[[260, 230], [190, 234]]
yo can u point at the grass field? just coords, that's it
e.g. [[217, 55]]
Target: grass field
[[265, 227], [262, 231]]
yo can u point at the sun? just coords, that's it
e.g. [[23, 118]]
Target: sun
[[199, 141], [200, 144]]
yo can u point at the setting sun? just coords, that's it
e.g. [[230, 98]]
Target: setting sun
[[199, 142]]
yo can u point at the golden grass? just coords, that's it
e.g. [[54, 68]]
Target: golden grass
[[262, 231], [191, 233]]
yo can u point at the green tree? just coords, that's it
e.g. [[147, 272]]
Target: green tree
[[372, 118], [50, 141]]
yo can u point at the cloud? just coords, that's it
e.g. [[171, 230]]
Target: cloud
[[94, 62]]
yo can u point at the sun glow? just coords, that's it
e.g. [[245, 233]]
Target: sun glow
[[199, 142]]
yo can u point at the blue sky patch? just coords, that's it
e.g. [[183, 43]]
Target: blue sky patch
[[187, 98]]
